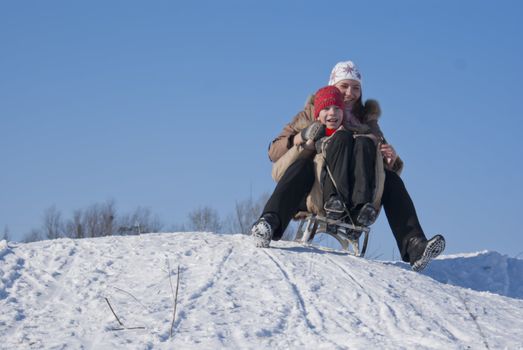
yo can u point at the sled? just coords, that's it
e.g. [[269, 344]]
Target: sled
[[348, 235]]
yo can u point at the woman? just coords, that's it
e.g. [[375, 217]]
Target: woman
[[349, 187]]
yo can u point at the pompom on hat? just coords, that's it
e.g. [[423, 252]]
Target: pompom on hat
[[344, 70], [325, 97]]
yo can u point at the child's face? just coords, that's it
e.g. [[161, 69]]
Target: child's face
[[331, 117]]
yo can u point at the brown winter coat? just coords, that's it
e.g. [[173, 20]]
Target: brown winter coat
[[283, 153]]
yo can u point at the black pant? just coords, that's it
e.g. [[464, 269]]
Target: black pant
[[290, 193], [351, 162], [400, 211]]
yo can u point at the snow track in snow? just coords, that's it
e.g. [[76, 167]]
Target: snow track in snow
[[305, 317], [235, 296]]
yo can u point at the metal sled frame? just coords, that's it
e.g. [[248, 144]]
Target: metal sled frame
[[347, 235]]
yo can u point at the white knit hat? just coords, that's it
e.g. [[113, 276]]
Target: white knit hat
[[344, 70]]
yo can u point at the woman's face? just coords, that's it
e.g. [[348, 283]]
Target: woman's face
[[351, 90], [331, 117]]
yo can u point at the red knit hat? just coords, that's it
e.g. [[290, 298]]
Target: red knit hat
[[325, 97]]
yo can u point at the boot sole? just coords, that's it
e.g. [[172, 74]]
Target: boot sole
[[367, 215], [261, 244], [435, 247], [261, 239]]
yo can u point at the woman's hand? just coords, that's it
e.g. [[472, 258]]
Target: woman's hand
[[388, 153]]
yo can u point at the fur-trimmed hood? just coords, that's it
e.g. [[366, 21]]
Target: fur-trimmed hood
[[371, 110], [369, 125]]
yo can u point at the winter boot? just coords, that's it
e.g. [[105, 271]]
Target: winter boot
[[421, 251], [366, 215], [334, 208], [263, 229]]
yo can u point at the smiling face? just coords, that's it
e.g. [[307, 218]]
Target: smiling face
[[331, 117], [351, 90]]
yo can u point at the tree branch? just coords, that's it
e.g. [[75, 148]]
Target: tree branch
[[174, 295]]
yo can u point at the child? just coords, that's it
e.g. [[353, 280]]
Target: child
[[296, 177]]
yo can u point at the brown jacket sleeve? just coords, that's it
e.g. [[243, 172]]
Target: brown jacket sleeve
[[281, 144]]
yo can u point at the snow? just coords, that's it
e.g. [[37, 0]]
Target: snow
[[233, 295]]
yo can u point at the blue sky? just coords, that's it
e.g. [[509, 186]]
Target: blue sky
[[171, 105]]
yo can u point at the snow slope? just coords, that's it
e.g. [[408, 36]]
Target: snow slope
[[232, 295]]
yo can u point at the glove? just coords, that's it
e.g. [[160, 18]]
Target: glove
[[313, 132]]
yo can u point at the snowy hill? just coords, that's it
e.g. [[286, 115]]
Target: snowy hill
[[232, 295]]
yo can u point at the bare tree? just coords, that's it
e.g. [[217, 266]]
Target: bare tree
[[96, 221], [92, 222], [99, 219], [33, 236], [6, 236], [246, 212], [204, 219], [140, 221], [108, 215], [52, 227], [74, 228]]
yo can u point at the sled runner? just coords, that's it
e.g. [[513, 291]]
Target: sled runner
[[348, 235]]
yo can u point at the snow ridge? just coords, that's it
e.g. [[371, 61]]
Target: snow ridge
[[235, 296], [483, 271]]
